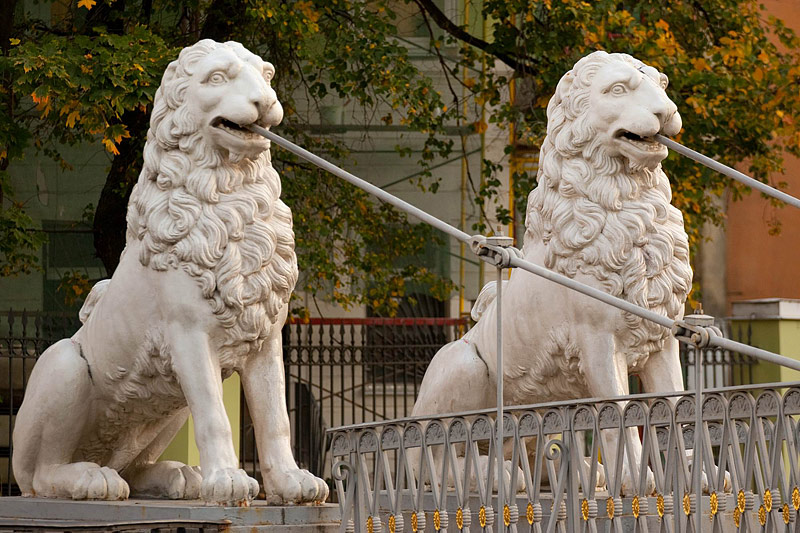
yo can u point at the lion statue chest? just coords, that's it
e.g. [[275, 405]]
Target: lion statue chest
[[602, 205], [600, 214], [208, 200]]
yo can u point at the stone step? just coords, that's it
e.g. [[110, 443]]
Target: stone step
[[163, 516]]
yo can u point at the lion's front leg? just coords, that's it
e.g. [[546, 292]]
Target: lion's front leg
[[200, 378], [265, 390], [606, 373]]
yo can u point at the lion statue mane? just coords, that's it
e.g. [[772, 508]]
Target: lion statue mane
[[223, 224], [201, 291], [600, 214], [608, 217]]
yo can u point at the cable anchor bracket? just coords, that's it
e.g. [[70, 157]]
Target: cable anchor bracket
[[497, 250]]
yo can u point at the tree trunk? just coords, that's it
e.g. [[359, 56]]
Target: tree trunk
[[110, 217]]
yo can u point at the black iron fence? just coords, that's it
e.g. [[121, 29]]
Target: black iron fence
[[347, 371], [339, 372], [721, 368]]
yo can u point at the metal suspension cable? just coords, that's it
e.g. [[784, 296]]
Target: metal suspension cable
[[516, 261], [728, 171], [361, 184]]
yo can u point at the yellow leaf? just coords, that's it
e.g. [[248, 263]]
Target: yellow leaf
[[88, 4], [71, 118], [699, 64], [763, 57], [138, 67], [14, 42], [3, 155], [758, 74], [480, 126], [110, 146], [663, 24]]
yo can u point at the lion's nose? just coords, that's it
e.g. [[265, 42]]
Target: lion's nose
[[673, 125], [668, 117]]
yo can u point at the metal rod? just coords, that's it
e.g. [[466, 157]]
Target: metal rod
[[697, 454], [597, 294], [501, 479], [752, 351], [361, 184], [541, 271], [728, 171]]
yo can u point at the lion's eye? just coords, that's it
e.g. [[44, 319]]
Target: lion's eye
[[618, 89], [217, 77]]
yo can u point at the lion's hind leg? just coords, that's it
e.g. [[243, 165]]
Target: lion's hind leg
[[456, 380], [49, 427], [147, 476]]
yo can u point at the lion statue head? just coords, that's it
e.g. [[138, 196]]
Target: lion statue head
[[208, 200], [602, 204]]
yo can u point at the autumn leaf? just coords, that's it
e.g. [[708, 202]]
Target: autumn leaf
[[110, 146], [699, 64], [88, 4], [71, 118]]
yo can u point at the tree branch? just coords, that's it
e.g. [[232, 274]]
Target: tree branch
[[522, 65]]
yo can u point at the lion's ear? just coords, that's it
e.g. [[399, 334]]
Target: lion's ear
[[268, 71], [663, 80], [562, 89], [169, 73]]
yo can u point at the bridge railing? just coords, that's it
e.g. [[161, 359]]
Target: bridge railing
[[439, 471], [698, 331]]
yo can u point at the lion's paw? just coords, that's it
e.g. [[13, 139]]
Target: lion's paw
[[184, 483], [294, 486], [228, 486], [100, 483], [484, 464], [165, 479], [630, 483]]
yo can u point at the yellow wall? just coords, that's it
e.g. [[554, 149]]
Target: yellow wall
[[183, 447], [773, 329]]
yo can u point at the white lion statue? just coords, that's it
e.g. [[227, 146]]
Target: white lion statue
[[201, 291], [600, 214]]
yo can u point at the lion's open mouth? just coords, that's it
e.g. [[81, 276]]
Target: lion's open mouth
[[231, 127], [643, 143]]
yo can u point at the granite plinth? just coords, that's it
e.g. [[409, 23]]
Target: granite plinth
[[41, 514]]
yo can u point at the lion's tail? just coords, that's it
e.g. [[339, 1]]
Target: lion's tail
[[485, 298], [95, 294]]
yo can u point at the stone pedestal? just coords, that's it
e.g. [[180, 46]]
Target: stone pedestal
[[38, 514]]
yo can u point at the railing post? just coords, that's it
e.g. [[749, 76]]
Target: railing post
[[499, 432], [698, 319], [697, 470]]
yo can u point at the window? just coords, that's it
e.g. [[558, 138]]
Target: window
[[70, 248]]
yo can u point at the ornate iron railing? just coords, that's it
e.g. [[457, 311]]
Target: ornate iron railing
[[405, 474]]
